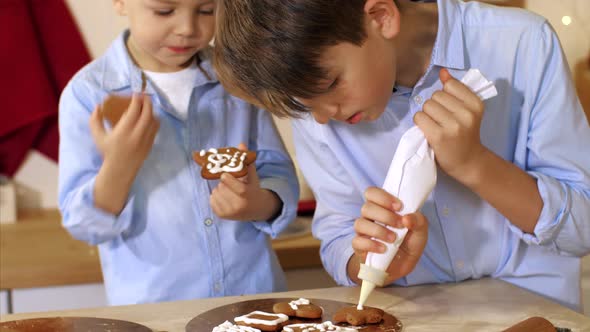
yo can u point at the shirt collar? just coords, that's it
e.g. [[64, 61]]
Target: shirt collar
[[449, 49], [121, 73]]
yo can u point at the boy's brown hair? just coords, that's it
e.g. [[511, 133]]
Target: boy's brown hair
[[267, 51]]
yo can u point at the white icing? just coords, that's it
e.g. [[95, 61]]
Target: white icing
[[295, 304], [280, 318], [229, 327], [325, 326], [216, 161], [202, 153]]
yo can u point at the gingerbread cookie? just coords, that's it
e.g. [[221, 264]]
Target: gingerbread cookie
[[313, 327], [355, 317], [263, 321], [301, 308], [229, 327], [113, 108], [215, 162]]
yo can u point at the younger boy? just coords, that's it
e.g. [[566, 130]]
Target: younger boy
[[164, 233]]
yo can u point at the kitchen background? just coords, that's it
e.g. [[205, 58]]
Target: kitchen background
[[36, 179]]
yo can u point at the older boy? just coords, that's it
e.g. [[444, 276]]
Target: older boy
[[513, 194]]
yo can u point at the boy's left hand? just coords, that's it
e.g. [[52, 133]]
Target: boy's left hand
[[243, 199], [451, 122]]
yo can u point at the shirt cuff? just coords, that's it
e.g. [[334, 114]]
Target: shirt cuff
[[288, 211], [341, 251], [555, 197], [88, 223]]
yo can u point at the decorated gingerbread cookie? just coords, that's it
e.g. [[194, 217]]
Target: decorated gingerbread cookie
[[263, 321], [215, 162], [229, 327], [313, 327], [113, 108], [301, 308], [355, 317]]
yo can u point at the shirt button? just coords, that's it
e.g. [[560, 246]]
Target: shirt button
[[208, 222], [418, 99], [446, 211], [460, 265]]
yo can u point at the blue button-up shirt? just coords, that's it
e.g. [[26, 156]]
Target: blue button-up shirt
[[167, 244], [536, 123]]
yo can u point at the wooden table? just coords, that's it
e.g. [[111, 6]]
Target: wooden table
[[481, 305]]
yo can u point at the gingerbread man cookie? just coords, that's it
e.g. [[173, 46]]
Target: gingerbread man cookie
[[215, 162], [313, 327], [113, 108], [301, 308], [355, 317], [263, 321]]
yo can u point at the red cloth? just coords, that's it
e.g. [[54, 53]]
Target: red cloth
[[41, 50]]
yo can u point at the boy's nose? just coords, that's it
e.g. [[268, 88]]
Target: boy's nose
[[185, 27], [323, 114]]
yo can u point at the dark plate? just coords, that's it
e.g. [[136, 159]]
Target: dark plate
[[71, 324], [206, 321]]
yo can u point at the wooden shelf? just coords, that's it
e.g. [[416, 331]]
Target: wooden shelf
[[38, 252]]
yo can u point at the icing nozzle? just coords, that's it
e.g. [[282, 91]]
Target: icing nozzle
[[366, 289], [371, 277]]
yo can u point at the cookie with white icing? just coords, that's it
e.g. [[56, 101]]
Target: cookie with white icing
[[263, 321], [113, 107], [229, 327], [355, 317], [315, 327], [215, 162], [301, 308]]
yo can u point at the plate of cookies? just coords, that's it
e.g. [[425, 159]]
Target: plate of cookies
[[293, 315]]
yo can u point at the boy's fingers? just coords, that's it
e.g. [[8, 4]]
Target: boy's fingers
[[460, 91], [363, 244], [131, 116], [382, 198], [415, 221], [242, 147], [145, 117], [444, 75], [372, 211], [235, 185], [368, 228], [96, 124]]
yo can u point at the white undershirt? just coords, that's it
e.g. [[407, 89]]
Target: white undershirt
[[176, 87]]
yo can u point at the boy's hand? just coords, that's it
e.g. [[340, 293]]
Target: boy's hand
[[124, 150], [382, 206], [130, 142], [243, 199], [451, 122]]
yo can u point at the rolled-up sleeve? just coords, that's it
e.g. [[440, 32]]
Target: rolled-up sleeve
[[558, 154], [79, 162], [276, 172], [338, 203]]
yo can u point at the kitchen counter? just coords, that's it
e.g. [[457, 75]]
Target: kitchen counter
[[38, 252], [478, 305]]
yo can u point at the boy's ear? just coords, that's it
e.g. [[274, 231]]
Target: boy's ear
[[120, 7], [384, 16]]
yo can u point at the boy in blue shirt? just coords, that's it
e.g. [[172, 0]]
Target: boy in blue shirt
[[512, 198], [164, 233]]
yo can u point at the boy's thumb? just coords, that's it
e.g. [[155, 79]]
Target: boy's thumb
[[444, 75]]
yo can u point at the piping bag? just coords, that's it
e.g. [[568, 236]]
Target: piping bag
[[411, 178]]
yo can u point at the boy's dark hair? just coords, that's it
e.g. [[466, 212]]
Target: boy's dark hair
[[267, 51]]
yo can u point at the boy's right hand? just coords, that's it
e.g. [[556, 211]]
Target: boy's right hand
[[382, 206], [131, 140], [124, 149]]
